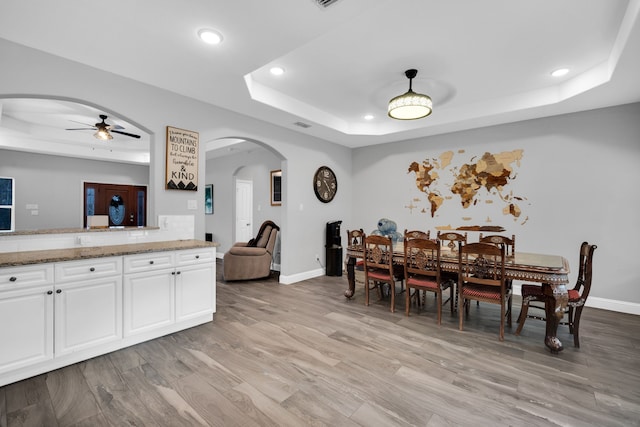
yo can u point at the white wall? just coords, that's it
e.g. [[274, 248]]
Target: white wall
[[54, 184], [579, 174]]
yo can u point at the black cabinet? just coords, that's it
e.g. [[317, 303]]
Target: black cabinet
[[333, 249]]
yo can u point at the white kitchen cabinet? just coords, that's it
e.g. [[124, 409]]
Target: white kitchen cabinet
[[195, 284], [56, 314], [149, 300], [88, 304], [26, 323], [156, 296]]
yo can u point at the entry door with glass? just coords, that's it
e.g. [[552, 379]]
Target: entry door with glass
[[125, 205]]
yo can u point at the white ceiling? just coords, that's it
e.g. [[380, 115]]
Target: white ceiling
[[483, 62]]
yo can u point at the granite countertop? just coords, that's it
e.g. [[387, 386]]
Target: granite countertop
[[10, 259], [74, 230]]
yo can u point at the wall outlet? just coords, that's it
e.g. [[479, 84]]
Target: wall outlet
[[317, 257]]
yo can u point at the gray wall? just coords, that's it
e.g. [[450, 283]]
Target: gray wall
[[579, 172], [222, 172], [54, 183], [579, 176], [28, 72]]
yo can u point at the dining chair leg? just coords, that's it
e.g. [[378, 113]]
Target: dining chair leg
[[509, 304], [439, 299], [392, 291], [576, 326], [522, 317], [366, 293], [460, 312], [408, 300]]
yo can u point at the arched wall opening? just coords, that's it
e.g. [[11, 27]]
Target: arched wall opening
[[43, 138], [237, 158]]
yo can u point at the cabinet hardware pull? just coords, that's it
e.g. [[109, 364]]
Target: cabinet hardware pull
[[49, 292], [92, 269], [197, 256], [13, 278], [173, 273], [58, 291], [178, 272], [151, 262]]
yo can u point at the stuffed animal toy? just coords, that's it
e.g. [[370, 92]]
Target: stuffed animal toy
[[388, 228]]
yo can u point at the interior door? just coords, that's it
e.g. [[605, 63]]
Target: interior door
[[244, 210]]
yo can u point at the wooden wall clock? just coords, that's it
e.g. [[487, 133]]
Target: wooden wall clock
[[325, 184]]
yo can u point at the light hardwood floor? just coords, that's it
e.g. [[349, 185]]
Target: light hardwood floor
[[301, 354]]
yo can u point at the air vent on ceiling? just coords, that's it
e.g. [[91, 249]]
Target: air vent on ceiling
[[302, 125], [325, 3]]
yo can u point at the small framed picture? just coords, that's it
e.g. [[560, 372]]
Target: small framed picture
[[208, 199], [276, 187]]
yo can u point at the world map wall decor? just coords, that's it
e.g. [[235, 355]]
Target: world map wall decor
[[476, 183]]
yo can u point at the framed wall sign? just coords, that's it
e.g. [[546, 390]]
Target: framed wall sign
[[208, 199], [276, 187], [182, 159]]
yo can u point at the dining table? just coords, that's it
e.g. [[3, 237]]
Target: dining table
[[552, 271]]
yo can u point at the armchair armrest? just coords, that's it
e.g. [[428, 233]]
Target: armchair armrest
[[247, 251]]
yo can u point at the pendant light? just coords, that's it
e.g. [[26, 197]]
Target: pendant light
[[411, 105]]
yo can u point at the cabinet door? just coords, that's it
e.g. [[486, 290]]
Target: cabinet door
[[88, 313], [149, 300], [26, 327], [195, 291]]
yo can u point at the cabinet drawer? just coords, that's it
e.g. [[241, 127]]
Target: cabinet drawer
[[195, 256], [88, 269], [148, 262], [28, 275]]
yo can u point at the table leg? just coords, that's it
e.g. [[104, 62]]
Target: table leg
[[351, 277], [555, 303]]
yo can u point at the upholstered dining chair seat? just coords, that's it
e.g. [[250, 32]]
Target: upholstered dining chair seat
[[483, 292], [378, 274], [422, 282]]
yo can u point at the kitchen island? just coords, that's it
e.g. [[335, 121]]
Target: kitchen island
[[62, 306]]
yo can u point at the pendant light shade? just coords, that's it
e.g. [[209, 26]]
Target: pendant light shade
[[411, 105]]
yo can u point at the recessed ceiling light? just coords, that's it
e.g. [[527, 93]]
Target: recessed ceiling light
[[560, 72], [277, 71], [210, 36], [368, 117]]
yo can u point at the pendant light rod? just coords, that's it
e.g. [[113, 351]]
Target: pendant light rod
[[411, 105]]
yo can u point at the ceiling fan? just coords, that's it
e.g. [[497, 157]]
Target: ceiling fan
[[104, 130]]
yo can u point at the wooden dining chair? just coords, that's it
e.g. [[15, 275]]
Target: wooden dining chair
[[508, 242], [481, 277], [378, 267], [577, 296], [422, 271], [355, 238]]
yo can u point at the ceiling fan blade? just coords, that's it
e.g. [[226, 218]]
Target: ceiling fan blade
[[125, 133], [82, 129], [82, 123]]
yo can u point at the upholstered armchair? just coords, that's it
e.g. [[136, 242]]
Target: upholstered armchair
[[251, 260]]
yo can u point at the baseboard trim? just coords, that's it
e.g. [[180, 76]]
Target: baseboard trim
[[603, 303], [293, 278]]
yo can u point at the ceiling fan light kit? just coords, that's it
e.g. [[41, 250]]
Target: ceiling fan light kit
[[410, 105], [104, 130]]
